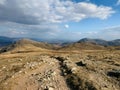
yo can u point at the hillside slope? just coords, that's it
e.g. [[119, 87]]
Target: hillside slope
[[101, 42], [26, 45], [83, 46]]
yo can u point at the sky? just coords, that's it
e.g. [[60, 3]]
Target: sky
[[60, 19]]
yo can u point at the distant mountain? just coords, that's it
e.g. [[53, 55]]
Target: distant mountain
[[85, 43], [23, 42], [26, 45], [6, 41], [101, 42], [93, 44], [54, 41], [82, 46], [114, 42]]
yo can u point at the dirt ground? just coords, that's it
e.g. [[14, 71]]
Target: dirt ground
[[83, 70]]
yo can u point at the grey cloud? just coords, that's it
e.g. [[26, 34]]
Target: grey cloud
[[109, 33], [53, 32], [50, 11], [23, 30], [40, 18], [10, 11]]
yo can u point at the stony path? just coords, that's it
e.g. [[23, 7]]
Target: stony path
[[42, 75], [60, 72]]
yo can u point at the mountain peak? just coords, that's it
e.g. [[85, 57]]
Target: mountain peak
[[86, 40], [24, 45]]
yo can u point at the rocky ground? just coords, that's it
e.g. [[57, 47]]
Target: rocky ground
[[87, 70]]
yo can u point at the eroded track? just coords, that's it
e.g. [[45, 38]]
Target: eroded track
[[36, 73], [84, 71]]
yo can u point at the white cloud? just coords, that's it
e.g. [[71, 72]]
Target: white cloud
[[118, 3], [66, 26], [50, 11], [16, 32], [91, 33], [41, 18], [108, 33], [2, 2]]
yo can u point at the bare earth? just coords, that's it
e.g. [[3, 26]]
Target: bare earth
[[59, 70]]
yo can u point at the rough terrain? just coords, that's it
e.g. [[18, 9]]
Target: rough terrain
[[86, 70]]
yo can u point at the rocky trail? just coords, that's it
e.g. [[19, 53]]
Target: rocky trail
[[89, 75], [60, 72], [40, 74]]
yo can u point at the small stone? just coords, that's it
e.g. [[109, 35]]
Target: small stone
[[20, 59], [5, 83], [25, 72], [20, 72], [65, 74], [73, 69], [31, 68], [50, 88], [13, 76], [3, 67], [54, 73]]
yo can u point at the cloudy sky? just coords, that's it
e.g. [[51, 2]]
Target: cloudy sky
[[60, 19]]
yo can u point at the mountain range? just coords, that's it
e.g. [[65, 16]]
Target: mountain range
[[6, 41], [101, 42], [18, 45]]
